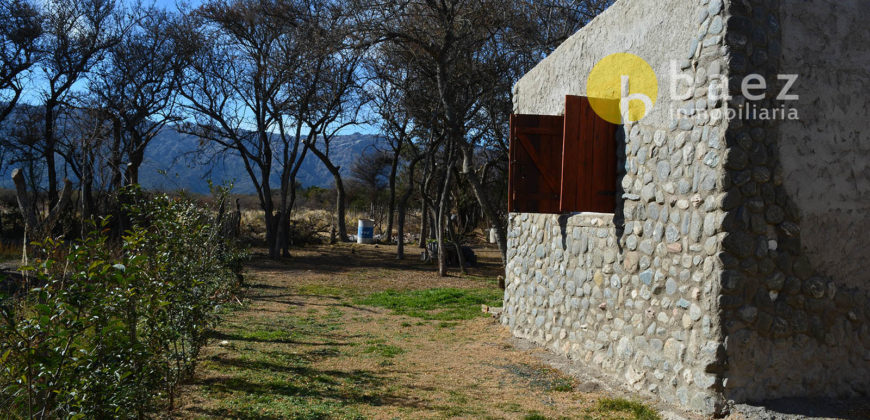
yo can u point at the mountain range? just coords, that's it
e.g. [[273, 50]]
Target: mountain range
[[171, 163]]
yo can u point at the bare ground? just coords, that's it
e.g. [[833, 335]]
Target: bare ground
[[303, 347]]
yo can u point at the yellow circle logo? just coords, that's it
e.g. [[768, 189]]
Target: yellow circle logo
[[622, 88]]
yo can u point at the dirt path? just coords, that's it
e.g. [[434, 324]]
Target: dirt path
[[306, 345]]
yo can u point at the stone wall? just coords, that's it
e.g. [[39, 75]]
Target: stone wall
[[794, 287], [635, 293], [824, 154], [732, 268]]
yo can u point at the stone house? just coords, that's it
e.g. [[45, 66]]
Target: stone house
[[729, 265]]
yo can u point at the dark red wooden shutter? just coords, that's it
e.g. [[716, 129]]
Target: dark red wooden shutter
[[534, 178], [588, 161]]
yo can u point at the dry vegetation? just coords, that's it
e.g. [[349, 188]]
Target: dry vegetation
[[319, 337], [313, 225]]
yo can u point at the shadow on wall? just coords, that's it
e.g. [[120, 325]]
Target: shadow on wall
[[780, 311]]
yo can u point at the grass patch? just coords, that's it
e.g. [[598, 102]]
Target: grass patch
[[443, 304], [384, 350], [268, 370], [541, 377], [562, 385], [457, 397], [638, 410]]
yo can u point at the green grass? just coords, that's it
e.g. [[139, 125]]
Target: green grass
[[638, 410], [562, 385], [384, 350], [444, 304], [264, 375]]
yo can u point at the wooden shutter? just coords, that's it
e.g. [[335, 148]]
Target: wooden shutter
[[534, 179], [588, 163]]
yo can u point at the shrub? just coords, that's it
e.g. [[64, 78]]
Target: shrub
[[107, 330]]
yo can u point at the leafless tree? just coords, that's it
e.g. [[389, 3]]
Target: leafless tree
[[77, 33], [371, 171], [339, 95], [82, 144], [387, 92], [470, 53], [137, 85], [414, 158], [265, 83], [20, 30], [239, 67]]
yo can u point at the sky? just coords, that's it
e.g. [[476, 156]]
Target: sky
[[171, 4], [31, 96]]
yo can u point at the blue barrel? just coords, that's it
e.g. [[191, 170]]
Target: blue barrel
[[365, 233]]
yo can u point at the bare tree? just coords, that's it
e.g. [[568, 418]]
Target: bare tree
[[339, 94], [82, 145], [371, 170], [20, 30], [77, 34], [468, 54], [236, 72], [387, 93], [137, 85], [404, 200], [263, 86]]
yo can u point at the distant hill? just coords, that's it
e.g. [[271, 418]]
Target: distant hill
[[170, 164]]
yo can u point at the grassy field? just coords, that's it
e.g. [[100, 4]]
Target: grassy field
[[348, 332]]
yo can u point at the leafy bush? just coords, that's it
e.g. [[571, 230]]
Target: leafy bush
[[109, 330]]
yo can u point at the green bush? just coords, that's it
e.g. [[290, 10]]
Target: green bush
[[108, 328]]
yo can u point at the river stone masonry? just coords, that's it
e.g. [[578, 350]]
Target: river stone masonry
[[701, 287]]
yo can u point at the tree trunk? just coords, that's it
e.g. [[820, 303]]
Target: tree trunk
[[424, 222], [340, 207], [485, 204], [402, 210], [115, 157], [269, 217], [48, 153], [443, 199], [136, 155], [439, 241], [135, 163], [339, 190], [87, 194], [391, 212], [459, 257], [282, 233]]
